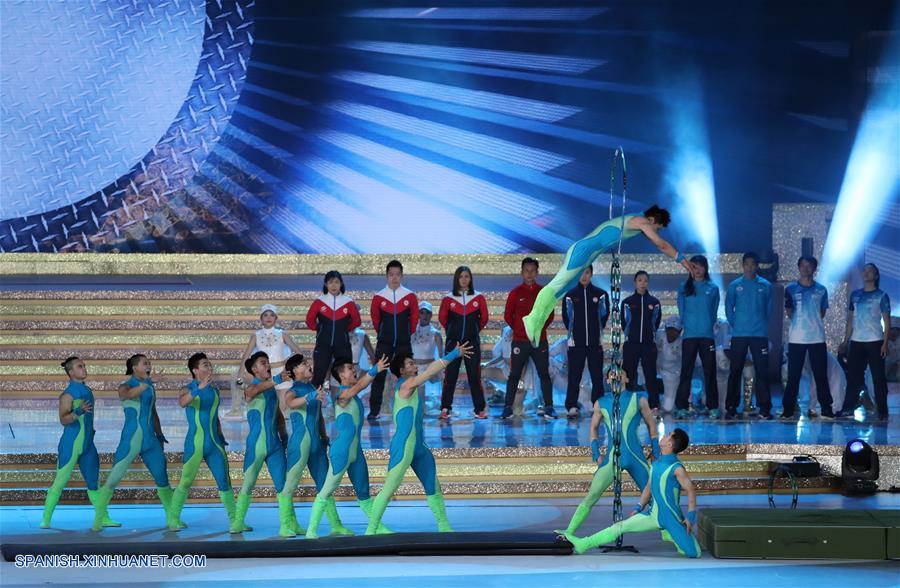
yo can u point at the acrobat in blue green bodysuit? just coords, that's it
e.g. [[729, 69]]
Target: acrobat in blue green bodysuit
[[408, 449], [203, 442], [631, 457], [664, 514], [138, 437], [346, 457], [76, 446], [580, 255], [305, 449], [263, 446]]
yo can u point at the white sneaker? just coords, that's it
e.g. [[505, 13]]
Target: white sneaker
[[573, 413]]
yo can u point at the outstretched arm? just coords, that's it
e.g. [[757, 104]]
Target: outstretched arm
[[363, 381], [406, 389], [643, 225]]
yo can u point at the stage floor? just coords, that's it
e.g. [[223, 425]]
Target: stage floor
[[657, 562], [31, 426]]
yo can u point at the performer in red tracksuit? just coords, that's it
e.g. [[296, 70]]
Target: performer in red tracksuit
[[518, 304], [463, 314], [333, 316], [395, 313]]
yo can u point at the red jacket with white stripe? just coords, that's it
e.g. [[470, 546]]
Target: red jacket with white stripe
[[463, 317], [395, 314], [333, 318]]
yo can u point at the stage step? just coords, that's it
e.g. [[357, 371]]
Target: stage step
[[495, 473]]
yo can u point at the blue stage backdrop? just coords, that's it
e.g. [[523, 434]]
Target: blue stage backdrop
[[461, 126]]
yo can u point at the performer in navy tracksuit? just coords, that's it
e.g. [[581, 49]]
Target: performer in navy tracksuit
[[395, 313], [463, 314], [641, 313], [333, 316], [585, 311]]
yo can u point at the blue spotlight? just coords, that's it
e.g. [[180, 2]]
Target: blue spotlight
[[872, 178], [689, 173]]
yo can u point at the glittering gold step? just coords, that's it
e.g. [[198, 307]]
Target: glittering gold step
[[580, 470], [451, 489], [212, 338]]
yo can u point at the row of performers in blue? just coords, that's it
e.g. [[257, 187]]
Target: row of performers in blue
[[307, 447]]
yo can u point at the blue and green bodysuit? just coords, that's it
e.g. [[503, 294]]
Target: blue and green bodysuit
[[306, 449], [664, 513], [76, 446], [263, 446], [631, 457], [204, 442], [346, 456], [139, 437], [580, 255], [408, 449]]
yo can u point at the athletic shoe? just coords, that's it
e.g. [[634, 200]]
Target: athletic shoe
[[731, 415], [826, 417], [372, 417], [767, 416], [549, 413], [507, 412], [788, 417], [682, 414], [540, 411], [812, 414], [714, 413], [572, 413], [481, 415], [445, 414], [844, 414]]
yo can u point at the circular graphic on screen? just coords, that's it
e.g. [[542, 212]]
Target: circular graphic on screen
[[96, 86]]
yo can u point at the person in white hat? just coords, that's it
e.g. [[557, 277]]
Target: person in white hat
[[668, 362], [272, 341], [428, 345]]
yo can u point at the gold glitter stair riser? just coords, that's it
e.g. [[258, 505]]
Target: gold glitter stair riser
[[518, 471], [450, 489], [222, 264]]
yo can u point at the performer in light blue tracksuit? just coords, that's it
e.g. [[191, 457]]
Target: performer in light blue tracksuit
[[866, 341], [748, 305], [698, 304]]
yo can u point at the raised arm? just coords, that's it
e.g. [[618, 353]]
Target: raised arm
[[363, 381], [408, 386]]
